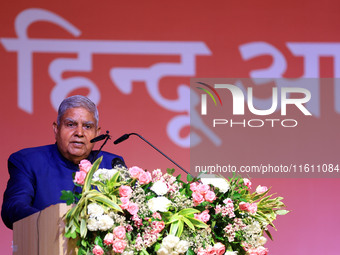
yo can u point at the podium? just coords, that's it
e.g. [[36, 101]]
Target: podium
[[42, 233]]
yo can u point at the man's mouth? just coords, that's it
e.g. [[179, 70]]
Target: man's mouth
[[77, 143]]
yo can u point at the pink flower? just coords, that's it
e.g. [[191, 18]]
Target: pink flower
[[193, 186], [125, 202], [125, 191], [85, 165], [138, 221], [97, 250], [79, 178], [205, 217], [210, 250], [135, 171], [201, 251], [243, 206], [157, 226], [157, 215], [252, 208], [247, 182], [119, 245], [219, 248], [198, 198], [119, 232], [261, 189], [144, 178], [129, 228], [133, 208], [108, 239], [202, 188], [258, 251], [210, 196]]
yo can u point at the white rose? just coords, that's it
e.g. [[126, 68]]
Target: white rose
[[105, 222], [170, 242], [160, 204], [174, 253], [216, 181], [163, 251], [92, 224], [103, 174], [160, 188], [182, 246], [95, 210]]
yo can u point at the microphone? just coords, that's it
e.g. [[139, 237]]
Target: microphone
[[122, 138], [99, 138], [118, 162], [126, 136]]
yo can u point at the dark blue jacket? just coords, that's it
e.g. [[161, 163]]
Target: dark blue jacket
[[37, 177]]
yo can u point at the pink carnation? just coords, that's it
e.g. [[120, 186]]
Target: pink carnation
[[108, 239], [119, 232], [210, 196], [79, 178], [202, 188], [133, 208], [97, 250], [119, 245], [204, 216], [157, 226], [219, 248], [247, 182], [144, 178], [258, 251], [252, 208], [125, 202], [198, 198], [261, 189], [85, 165], [125, 191], [157, 215], [135, 171], [193, 186]]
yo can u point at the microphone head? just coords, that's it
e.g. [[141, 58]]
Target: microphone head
[[99, 138], [121, 139]]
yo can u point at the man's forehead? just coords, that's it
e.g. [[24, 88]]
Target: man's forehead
[[78, 114]]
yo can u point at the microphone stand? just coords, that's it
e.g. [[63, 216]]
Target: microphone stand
[[126, 136]]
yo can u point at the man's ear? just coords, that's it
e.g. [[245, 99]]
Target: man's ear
[[55, 129]]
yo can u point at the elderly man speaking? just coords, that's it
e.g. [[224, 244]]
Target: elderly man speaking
[[38, 175]]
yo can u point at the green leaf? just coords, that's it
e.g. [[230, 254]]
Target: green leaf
[[188, 211], [88, 179], [170, 171], [188, 222], [83, 228], [198, 223], [173, 228], [190, 252], [281, 212], [180, 228], [189, 178], [68, 196], [269, 235]]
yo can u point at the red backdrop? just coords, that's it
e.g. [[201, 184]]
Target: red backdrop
[[135, 59]]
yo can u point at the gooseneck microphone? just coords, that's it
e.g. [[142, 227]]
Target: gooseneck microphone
[[126, 136], [97, 139]]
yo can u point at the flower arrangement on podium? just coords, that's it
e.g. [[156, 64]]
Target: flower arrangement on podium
[[133, 211]]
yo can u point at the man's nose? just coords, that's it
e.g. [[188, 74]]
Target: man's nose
[[79, 131]]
